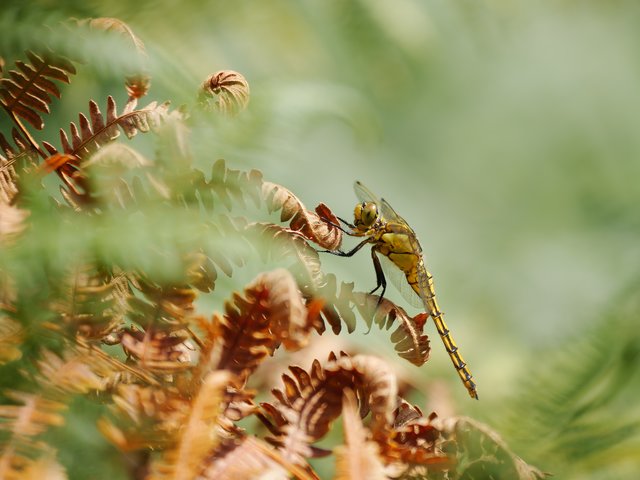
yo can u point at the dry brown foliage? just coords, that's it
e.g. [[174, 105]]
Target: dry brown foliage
[[174, 381]]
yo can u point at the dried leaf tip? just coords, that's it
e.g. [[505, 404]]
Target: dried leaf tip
[[226, 91], [136, 83]]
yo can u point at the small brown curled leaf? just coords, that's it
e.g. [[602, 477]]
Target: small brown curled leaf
[[58, 161], [319, 227], [136, 83], [226, 91]]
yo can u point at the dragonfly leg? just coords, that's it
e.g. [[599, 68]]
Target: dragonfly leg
[[380, 279], [340, 227], [351, 226], [350, 253]]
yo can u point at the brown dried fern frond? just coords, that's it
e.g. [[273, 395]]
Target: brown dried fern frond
[[92, 167], [103, 183], [27, 92], [157, 350], [277, 242], [96, 131], [11, 337], [413, 446], [232, 187], [12, 223], [316, 227], [35, 414], [8, 178], [137, 84], [200, 434], [161, 341], [90, 139], [230, 232], [145, 417], [167, 307], [25, 154], [185, 419], [225, 91], [311, 401], [77, 371], [395, 440], [46, 467], [31, 415], [359, 457], [271, 312], [408, 338], [89, 302], [250, 457]]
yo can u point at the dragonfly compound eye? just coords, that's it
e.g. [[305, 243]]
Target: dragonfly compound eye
[[369, 213], [357, 213]]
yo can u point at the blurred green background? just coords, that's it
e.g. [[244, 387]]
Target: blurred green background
[[505, 132]]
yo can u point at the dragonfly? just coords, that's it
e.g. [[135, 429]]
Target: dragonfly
[[392, 237]]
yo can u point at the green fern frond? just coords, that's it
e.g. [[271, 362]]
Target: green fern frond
[[582, 401]]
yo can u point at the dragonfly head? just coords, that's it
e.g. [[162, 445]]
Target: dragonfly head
[[365, 215]]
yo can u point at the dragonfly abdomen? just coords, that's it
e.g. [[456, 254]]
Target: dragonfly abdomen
[[456, 358], [425, 281]]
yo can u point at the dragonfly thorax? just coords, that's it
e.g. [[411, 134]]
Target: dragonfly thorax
[[365, 215]]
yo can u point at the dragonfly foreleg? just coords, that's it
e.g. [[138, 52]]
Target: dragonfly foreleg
[[350, 253], [350, 225], [381, 281]]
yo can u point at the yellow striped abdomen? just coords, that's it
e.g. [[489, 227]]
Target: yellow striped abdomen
[[422, 283]]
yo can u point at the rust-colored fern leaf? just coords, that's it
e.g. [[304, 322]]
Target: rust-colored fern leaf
[[408, 338], [157, 350], [12, 223], [169, 307], [27, 92], [199, 435], [231, 231], [359, 457], [162, 345], [93, 132], [414, 446], [310, 401], [8, 179], [233, 187], [88, 148], [46, 467], [137, 84], [270, 312], [34, 416], [409, 341], [21, 423], [145, 417], [276, 242], [11, 335], [89, 302], [8, 158], [230, 186], [250, 457], [98, 183], [76, 371]]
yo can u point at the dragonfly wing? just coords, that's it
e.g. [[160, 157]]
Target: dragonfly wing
[[390, 214], [398, 279], [366, 195]]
